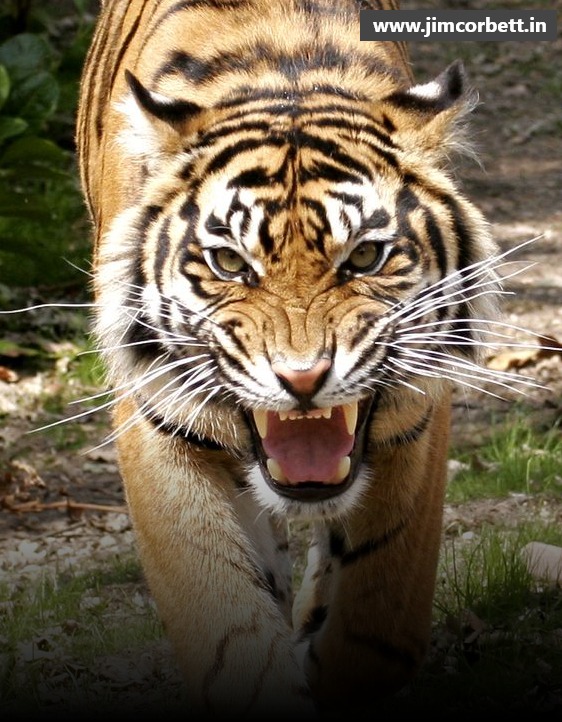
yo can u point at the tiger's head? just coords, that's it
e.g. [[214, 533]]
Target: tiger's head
[[285, 261]]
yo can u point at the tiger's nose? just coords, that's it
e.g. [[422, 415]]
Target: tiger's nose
[[302, 382]]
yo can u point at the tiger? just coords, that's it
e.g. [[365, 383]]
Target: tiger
[[288, 282]]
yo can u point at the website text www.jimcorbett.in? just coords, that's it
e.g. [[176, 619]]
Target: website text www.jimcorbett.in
[[458, 25]]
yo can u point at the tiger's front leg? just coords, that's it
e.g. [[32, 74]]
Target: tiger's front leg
[[371, 589], [229, 634]]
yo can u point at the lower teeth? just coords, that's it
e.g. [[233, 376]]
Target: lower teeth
[[275, 470]]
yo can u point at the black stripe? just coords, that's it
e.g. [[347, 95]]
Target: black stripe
[[222, 158], [436, 238], [292, 66], [197, 285], [123, 49], [256, 177], [320, 230], [348, 200], [248, 95], [143, 340], [380, 218], [189, 211], [410, 252], [232, 362], [328, 171], [465, 258], [464, 237], [330, 149], [369, 320], [352, 125], [406, 202], [149, 215], [408, 436], [315, 618], [162, 251], [115, 48], [95, 71], [216, 226], [181, 432], [337, 545], [239, 123], [460, 224], [266, 239]]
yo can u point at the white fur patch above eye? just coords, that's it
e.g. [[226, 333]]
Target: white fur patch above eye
[[429, 91], [226, 196], [247, 197], [338, 228]]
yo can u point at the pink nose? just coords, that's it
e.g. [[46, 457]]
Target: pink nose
[[299, 381]]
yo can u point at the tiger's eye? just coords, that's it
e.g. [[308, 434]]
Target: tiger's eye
[[229, 261], [364, 256]]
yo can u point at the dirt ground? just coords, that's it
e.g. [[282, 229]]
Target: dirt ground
[[64, 509]]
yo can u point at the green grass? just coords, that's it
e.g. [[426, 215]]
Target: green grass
[[487, 574], [516, 459], [54, 601], [68, 622], [496, 641]]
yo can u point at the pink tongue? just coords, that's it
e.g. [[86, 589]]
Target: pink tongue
[[308, 449]]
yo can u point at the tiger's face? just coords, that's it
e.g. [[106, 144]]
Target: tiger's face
[[283, 271]]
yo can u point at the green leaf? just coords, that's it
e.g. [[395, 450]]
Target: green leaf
[[35, 98], [25, 55], [4, 85], [15, 205], [31, 150], [81, 6], [18, 245], [9, 127], [26, 172]]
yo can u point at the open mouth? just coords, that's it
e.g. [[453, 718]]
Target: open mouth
[[313, 455]]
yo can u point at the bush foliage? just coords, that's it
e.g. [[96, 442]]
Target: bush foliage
[[42, 216]]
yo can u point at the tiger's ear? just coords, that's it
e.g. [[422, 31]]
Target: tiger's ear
[[169, 110], [429, 114], [157, 125]]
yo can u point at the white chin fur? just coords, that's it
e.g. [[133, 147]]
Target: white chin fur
[[338, 506]]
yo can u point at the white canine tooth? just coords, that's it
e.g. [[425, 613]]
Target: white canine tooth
[[350, 413], [260, 418], [343, 468], [275, 470]]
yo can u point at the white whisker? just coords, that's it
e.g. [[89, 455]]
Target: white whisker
[[185, 342], [147, 377], [461, 366], [40, 306], [480, 268], [146, 407], [429, 371], [130, 388], [194, 412]]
